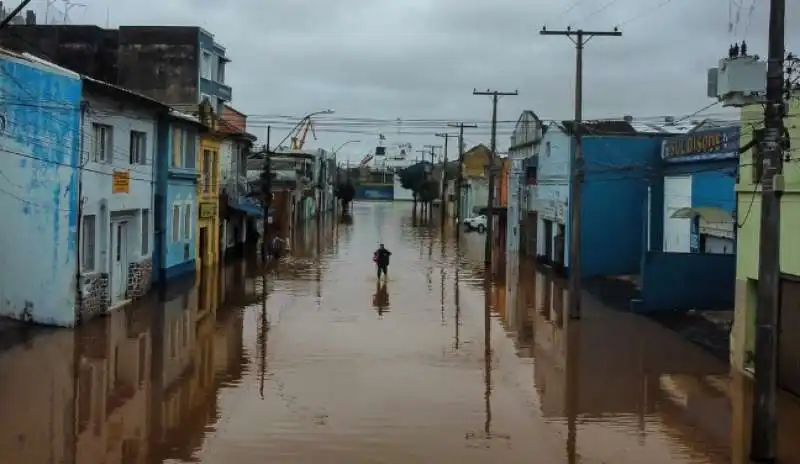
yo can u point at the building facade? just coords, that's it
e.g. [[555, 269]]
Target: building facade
[[522, 152], [176, 195], [238, 210], [39, 190], [118, 185], [209, 229], [178, 65], [747, 254], [619, 162], [691, 228]]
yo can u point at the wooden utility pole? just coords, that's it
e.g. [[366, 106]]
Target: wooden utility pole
[[266, 193], [443, 182], [460, 180], [492, 155], [763, 439], [579, 37]]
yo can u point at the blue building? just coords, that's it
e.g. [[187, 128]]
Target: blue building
[[177, 175], [40, 120], [691, 228], [619, 160]]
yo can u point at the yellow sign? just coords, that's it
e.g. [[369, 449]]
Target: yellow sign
[[121, 182], [208, 210]]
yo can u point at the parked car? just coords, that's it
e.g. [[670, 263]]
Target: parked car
[[476, 223]]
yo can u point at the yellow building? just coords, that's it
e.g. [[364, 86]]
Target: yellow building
[[208, 192], [748, 215]]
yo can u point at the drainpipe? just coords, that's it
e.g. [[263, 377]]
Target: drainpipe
[[79, 213]]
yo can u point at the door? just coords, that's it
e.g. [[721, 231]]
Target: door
[[677, 195], [202, 245], [119, 260], [788, 342], [548, 240]]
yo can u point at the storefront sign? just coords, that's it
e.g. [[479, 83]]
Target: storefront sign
[[120, 182], [208, 210], [702, 145]]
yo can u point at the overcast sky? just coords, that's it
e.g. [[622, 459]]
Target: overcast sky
[[375, 61]]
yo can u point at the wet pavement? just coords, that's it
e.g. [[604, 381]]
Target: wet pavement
[[335, 368]]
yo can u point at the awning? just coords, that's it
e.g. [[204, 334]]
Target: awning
[[248, 207], [497, 210], [710, 214]]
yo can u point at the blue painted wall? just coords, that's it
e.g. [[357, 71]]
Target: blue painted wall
[[175, 186], [685, 281], [40, 119], [375, 192], [618, 171]]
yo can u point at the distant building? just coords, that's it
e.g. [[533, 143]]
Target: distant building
[[178, 65]]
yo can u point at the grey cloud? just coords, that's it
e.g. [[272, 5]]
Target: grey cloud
[[422, 58]]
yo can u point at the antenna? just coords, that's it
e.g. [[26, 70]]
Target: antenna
[[68, 5]]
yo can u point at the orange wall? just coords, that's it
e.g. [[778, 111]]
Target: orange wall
[[502, 185]]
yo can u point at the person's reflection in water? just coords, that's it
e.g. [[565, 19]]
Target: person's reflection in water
[[380, 300]]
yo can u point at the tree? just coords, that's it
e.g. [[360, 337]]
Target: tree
[[413, 178]]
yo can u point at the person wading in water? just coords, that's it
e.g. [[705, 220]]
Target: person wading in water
[[381, 259]]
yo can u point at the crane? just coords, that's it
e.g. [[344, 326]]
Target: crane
[[366, 159], [302, 131]]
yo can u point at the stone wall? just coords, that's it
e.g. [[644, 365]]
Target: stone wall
[[94, 297], [140, 277]]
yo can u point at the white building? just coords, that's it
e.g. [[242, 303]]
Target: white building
[[117, 185]]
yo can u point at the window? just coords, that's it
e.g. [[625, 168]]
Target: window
[[176, 222], [138, 149], [187, 222], [89, 231], [221, 70], [177, 147], [145, 232], [758, 158], [103, 143], [206, 65], [189, 149], [206, 171]]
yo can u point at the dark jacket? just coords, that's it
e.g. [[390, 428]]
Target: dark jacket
[[382, 257]]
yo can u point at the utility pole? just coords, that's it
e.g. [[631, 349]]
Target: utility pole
[[579, 38], [13, 14], [492, 155], [763, 439], [266, 193], [460, 180], [432, 149], [443, 184]]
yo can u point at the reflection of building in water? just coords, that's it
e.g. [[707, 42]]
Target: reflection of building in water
[[186, 400], [36, 398], [113, 389], [623, 368]]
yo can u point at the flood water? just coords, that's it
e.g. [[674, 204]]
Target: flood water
[[435, 367]]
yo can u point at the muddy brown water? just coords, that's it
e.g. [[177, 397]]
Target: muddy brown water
[[337, 368]]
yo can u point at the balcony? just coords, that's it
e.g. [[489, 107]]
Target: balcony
[[221, 91]]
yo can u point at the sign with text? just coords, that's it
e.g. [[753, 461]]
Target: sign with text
[[702, 145], [121, 182], [208, 209]]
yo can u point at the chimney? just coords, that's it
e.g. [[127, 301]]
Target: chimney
[[628, 118], [30, 18], [669, 120]]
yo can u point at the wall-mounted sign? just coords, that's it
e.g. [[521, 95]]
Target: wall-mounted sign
[[121, 182], [208, 209], [702, 145]]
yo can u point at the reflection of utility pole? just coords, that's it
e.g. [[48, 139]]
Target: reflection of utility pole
[[572, 380], [492, 155], [580, 39], [460, 180], [763, 446], [443, 175], [487, 360], [457, 296]]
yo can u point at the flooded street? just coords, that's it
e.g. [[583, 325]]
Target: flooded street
[[349, 372]]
